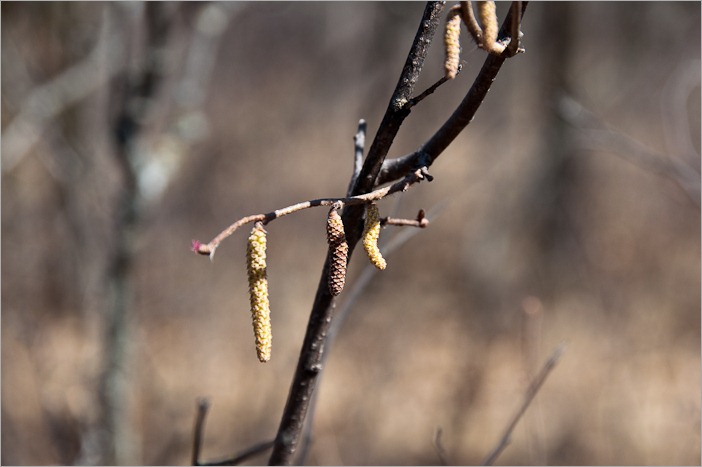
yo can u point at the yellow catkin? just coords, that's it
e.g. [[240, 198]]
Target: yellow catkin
[[371, 231], [487, 13], [452, 43], [338, 251], [471, 23], [258, 291]]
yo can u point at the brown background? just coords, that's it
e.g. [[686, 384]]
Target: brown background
[[549, 224]]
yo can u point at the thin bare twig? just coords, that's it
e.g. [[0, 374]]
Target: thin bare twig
[[461, 117], [402, 185], [529, 395], [359, 142], [245, 455], [421, 221], [439, 447], [309, 364], [416, 100], [203, 406]]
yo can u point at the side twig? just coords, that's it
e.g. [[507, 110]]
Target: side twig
[[531, 392], [424, 156], [203, 406], [402, 185], [439, 447], [359, 142], [245, 455]]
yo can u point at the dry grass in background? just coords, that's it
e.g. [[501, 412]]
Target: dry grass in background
[[559, 223]]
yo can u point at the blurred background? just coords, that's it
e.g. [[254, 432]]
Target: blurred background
[[568, 211]]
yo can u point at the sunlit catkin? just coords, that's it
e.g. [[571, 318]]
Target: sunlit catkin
[[371, 231], [487, 13], [338, 252], [258, 291], [452, 43]]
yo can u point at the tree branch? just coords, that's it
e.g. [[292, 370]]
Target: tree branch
[[461, 117], [402, 185], [531, 391], [310, 362], [203, 406]]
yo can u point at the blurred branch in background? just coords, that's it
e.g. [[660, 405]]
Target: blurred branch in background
[[145, 174], [47, 101], [595, 134]]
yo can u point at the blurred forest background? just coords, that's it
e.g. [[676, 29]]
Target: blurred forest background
[[568, 211]]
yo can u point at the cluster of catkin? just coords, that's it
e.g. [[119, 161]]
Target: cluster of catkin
[[485, 37], [338, 251]]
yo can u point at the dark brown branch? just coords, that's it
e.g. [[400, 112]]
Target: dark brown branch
[[203, 406], [416, 100], [531, 392], [310, 362], [461, 117]]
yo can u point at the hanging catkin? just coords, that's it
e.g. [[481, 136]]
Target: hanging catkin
[[487, 13], [371, 231], [452, 43], [338, 251], [258, 291]]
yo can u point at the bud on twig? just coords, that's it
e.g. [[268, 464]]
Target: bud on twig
[[371, 232], [258, 291]]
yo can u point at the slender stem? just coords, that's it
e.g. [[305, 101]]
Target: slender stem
[[244, 455], [203, 406], [309, 364], [461, 117], [402, 185], [531, 392], [359, 142]]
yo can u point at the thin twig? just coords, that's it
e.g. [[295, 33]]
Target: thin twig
[[439, 447], [49, 100], [461, 117], [244, 455], [359, 142], [529, 395], [421, 221], [402, 185], [203, 406], [416, 100]]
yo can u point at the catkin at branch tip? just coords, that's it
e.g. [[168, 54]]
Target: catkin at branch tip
[[338, 251], [371, 232], [452, 43], [258, 291]]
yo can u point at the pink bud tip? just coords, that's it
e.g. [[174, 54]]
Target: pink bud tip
[[196, 246]]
